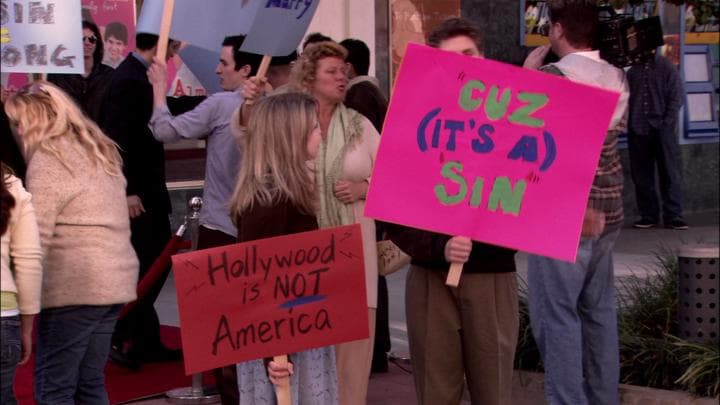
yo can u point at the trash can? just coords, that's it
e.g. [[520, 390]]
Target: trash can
[[698, 303]]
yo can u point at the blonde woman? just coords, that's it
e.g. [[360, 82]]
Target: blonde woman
[[275, 195], [75, 176], [344, 164]]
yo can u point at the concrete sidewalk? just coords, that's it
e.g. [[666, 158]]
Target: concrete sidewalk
[[635, 254]]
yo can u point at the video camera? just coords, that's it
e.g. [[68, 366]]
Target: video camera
[[623, 41]]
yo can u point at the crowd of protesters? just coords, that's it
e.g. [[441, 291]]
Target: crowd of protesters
[[289, 152]]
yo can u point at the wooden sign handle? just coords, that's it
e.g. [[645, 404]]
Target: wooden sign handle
[[453, 278], [164, 33], [282, 391], [264, 65]]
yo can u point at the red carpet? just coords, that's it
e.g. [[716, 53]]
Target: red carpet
[[122, 384]]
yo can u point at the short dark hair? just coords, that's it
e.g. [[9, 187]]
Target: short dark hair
[[242, 58], [145, 41], [117, 30], [455, 27], [284, 60], [579, 20], [314, 38], [358, 55], [99, 47]]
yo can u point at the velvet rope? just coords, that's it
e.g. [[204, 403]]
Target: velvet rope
[[175, 244]]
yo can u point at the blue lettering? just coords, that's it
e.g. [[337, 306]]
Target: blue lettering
[[485, 144], [525, 148]]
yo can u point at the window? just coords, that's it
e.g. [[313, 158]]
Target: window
[[701, 84]]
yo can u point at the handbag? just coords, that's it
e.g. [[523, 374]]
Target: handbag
[[390, 258]]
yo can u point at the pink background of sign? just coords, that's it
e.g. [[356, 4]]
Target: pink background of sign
[[550, 217]]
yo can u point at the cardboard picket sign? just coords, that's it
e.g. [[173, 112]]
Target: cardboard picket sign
[[500, 154], [278, 26], [41, 37], [202, 23], [271, 296]]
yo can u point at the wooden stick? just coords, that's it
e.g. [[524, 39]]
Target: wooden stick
[[282, 391], [261, 72], [264, 65], [453, 278], [164, 33]]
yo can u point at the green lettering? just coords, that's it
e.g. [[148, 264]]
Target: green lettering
[[476, 196], [503, 193], [448, 172], [495, 109], [466, 100], [535, 101]]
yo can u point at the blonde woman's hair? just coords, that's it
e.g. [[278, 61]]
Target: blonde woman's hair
[[304, 70], [274, 165], [48, 116]]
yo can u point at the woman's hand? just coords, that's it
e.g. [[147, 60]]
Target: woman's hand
[[277, 373], [26, 327], [157, 73], [350, 191], [457, 249], [157, 76], [254, 88]]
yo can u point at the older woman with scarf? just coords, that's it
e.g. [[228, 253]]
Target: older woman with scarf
[[343, 168]]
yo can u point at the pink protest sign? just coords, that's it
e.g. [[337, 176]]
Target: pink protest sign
[[500, 154]]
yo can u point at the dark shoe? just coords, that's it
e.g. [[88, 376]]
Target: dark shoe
[[645, 223], [161, 355], [677, 224], [123, 359]]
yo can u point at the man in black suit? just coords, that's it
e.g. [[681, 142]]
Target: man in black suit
[[125, 115]]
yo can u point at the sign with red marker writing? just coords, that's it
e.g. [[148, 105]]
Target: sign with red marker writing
[[270, 297], [482, 149]]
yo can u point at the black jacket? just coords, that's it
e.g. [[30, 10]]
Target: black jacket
[[88, 92], [126, 112]]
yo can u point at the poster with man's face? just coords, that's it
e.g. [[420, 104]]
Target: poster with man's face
[[116, 20]]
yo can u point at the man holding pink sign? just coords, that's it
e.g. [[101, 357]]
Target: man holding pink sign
[[503, 156], [466, 333], [572, 305]]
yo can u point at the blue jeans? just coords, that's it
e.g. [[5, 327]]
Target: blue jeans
[[72, 349], [574, 322], [11, 349]]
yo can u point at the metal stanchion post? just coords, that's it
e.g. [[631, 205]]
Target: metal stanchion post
[[196, 394]]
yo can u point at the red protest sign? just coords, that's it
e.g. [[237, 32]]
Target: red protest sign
[[271, 296]]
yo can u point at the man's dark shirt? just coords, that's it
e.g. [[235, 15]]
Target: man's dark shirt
[[125, 115], [656, 95]]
